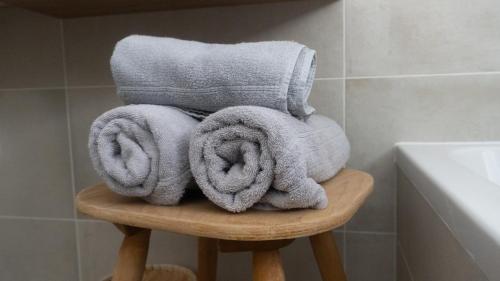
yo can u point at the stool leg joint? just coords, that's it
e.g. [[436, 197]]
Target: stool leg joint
[[267, 266], [207, 259]]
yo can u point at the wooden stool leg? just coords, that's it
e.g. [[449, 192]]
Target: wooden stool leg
[[267, 266], [207, 259], [327, 257], [132, 255]]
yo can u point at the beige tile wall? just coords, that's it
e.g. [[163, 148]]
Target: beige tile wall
[[394, 37], [37, 249], [388, 71], [30, 50]]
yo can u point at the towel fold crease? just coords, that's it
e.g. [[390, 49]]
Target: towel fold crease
[[208, 77]]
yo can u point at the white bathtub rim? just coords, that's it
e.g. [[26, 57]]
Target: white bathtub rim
[[463, 211]]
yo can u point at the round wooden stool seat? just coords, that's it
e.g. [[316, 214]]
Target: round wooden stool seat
[[262, 232], [346, 192]]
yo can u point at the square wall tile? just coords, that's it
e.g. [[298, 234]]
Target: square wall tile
[[389, 37], [38, 250], [318, 24], [370, 257], [431, 249], [34, 152], [99, 243], [381, 112], [31, 50], [85, 105], [327, 96], [234, 266]]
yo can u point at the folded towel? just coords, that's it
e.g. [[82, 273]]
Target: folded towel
[[142, 151], [238, 153], [209, 77]]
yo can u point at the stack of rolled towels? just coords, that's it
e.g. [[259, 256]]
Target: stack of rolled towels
[[232, 118]]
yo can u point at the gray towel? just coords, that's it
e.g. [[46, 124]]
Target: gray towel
[[142, 151], [238, 153], [209, 77]]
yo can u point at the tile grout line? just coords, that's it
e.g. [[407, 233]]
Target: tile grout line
[[344, 113], [395, 219], [424, 75], [344, 252], [100, 221], [92, 86], [31, 89], [405, 260], [344, 62], [328, 78], [371, 232], [70, 148], [395, 256], [8, 217], [451, 74]]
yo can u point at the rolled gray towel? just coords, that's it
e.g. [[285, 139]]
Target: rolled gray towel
[[142, 151], [238, 153], [208, 77]]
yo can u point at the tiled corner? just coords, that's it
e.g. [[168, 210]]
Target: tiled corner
[[89, 42], [381, 112], [390, 37], [35, 166], [327, 96], [432, 252], [30, 50], [38, 250], [403, 272], [370, 257], [85, 105]]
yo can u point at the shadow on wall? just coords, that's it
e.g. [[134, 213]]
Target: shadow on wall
[[258, 21], [90, 41]]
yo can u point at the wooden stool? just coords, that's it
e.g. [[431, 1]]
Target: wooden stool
[[262, 232]]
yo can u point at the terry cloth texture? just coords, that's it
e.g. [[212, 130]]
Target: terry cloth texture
[[208, 77], [142, 151], [245, 155]]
